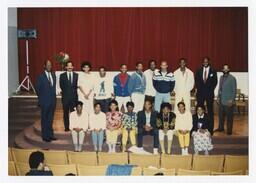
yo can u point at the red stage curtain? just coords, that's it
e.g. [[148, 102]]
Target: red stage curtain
[[111, 36]]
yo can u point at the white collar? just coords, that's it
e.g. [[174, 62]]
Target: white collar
[[200, 116]]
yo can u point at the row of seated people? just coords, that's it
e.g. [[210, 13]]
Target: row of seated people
[[134, 126], [200, 165]]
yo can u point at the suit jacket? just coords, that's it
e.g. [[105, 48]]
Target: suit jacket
[[228, 91], [39, 173], [141, 119], [69, 91], [45, 91], [205, 122], [207, 88]]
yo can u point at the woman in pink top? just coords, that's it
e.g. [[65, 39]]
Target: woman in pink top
[[113, 125]]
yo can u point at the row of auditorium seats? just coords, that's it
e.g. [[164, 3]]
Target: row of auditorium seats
[[212, 163]]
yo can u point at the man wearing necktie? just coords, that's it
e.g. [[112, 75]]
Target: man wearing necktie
[[46, 92], [206, 81], [68, 85]]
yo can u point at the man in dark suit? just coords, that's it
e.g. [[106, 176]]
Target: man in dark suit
[[147, 125], [68, 85], [37, 165], [226, 99], [46, 92], [206, 81]]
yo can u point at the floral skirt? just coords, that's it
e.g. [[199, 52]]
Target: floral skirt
[[202, 141]]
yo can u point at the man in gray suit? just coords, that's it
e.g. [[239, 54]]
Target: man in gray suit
[[226, 99]]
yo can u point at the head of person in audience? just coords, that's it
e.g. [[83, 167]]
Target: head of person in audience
[[113, 106], [70, 174], [97, 108], [130, 106], [36, 160], [152, 64], [102, 71], [200, 110], [225, 69], [48, 65], [79, 107], [183, 62], [86, 67], [164, 66], [69, 66], [181, 107], [123, 68], [139, 67], [206, 62], [148, 105], [166, 108]]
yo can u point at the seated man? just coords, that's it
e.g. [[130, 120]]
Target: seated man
[[37, 166], [147, 125], [79, 124]]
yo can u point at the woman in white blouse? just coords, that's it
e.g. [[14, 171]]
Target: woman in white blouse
[[183, 126]]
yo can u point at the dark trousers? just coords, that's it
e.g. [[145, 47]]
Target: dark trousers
[[223, 112], [153, 132], [104, 103], [47, 114], [67, 108], [209, 104]]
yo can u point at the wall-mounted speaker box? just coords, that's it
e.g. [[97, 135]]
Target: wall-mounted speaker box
[[27, 33]]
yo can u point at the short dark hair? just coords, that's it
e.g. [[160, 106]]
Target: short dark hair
[[79, 103], [151, 60], [97, 103], [123, 65], [183, 59], [201, 106], [113, 102], [165, 104], [206, 57], [139, 62], [86, 63], [181, 103], [130, 103], [102, 67], [68, 62], [35, 159]]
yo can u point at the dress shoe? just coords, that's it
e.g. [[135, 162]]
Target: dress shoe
[[218, 130], [53, 138], [47, 140]]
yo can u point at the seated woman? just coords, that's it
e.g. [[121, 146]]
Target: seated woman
[[79, 124], [147, 125], [201, 135], [166, 123], [113, 125], [183, 126], [129, 125], [97, 123]]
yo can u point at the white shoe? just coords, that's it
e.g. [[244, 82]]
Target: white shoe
[[155, 151], [182, 151]]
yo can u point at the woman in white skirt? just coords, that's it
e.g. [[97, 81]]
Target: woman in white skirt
[[201, 135]]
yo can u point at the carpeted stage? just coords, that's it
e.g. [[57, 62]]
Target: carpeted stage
[[24, 131]]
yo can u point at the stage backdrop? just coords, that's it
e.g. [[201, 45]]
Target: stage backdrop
[[111, 36]]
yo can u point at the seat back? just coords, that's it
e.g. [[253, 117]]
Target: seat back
[[11, 168], [83, 158], [144, 160], [84, 170], [238, 172], [136, 171], [22, 155], [176, 161], [55, 157], [234, 163], [22, 168], [192, 172], [61, 170], [212, 163], [118, 158]]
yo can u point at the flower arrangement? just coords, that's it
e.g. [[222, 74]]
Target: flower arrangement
[[62, 58]]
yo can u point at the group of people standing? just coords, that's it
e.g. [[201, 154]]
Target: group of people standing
[[138, 104]]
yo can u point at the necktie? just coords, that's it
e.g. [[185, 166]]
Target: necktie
[[49, 78], [69, 78], [205, 75]]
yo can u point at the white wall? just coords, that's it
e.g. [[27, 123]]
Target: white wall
[[241, 77], [13, 72]]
